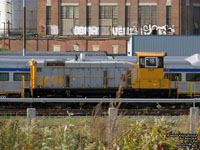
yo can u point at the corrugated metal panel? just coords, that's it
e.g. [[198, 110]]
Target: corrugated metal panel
[[176, 45]]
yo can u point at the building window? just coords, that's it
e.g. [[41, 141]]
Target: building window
[[147, 15], [18, 76], [88, 15], [108, 18], [69, 19], [168, 15], [48, 20], [196, 20]]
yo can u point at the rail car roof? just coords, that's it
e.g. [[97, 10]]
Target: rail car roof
[[47, 53]]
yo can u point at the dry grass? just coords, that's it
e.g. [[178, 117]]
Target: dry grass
[[86, 133]]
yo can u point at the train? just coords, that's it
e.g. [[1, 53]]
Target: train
[[56, 75]]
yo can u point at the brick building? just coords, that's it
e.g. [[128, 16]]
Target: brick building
[[106, 25]]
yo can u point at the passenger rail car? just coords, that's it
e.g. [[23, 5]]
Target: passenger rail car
[[146, 75]]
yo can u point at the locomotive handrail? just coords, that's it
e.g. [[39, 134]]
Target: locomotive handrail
[[68, 67]]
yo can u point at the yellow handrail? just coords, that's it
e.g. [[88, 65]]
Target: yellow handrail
[[23, 87]]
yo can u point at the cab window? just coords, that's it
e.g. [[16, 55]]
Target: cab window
[[151, 62], [160, 62], [142, 62]]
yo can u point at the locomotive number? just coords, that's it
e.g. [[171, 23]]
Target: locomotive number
[[151, 69]]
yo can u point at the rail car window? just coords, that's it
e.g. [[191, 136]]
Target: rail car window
[[18, 76], [39, 69], [4, 76], [173, 76], [193, 77], [151, 62]]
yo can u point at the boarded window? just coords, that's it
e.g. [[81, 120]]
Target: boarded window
[[56, 48], [115, 49], [95, 47], [173, 76], [18, 76], [76, 47], [4, 76], [193, 77]]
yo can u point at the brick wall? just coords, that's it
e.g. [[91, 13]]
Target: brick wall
[[161, 12], [82, 12], [65, 45], [41, 17], [175, 17]]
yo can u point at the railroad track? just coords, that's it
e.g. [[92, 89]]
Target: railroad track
[[91, 112]]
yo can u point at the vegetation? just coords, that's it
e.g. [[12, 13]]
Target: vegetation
[[4, 49], [90, 133]]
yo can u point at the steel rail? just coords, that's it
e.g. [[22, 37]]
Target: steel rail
[[104, 112], [96, 100]]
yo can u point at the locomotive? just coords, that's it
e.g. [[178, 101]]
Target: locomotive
[[149, 74]]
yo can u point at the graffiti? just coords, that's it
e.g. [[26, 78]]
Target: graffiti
[[54, 29], [107, 30], [80, 30], [119, 30], [92, 30], [159, 30]]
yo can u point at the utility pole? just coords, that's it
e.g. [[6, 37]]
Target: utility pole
[[24, 31], [4, 33]]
